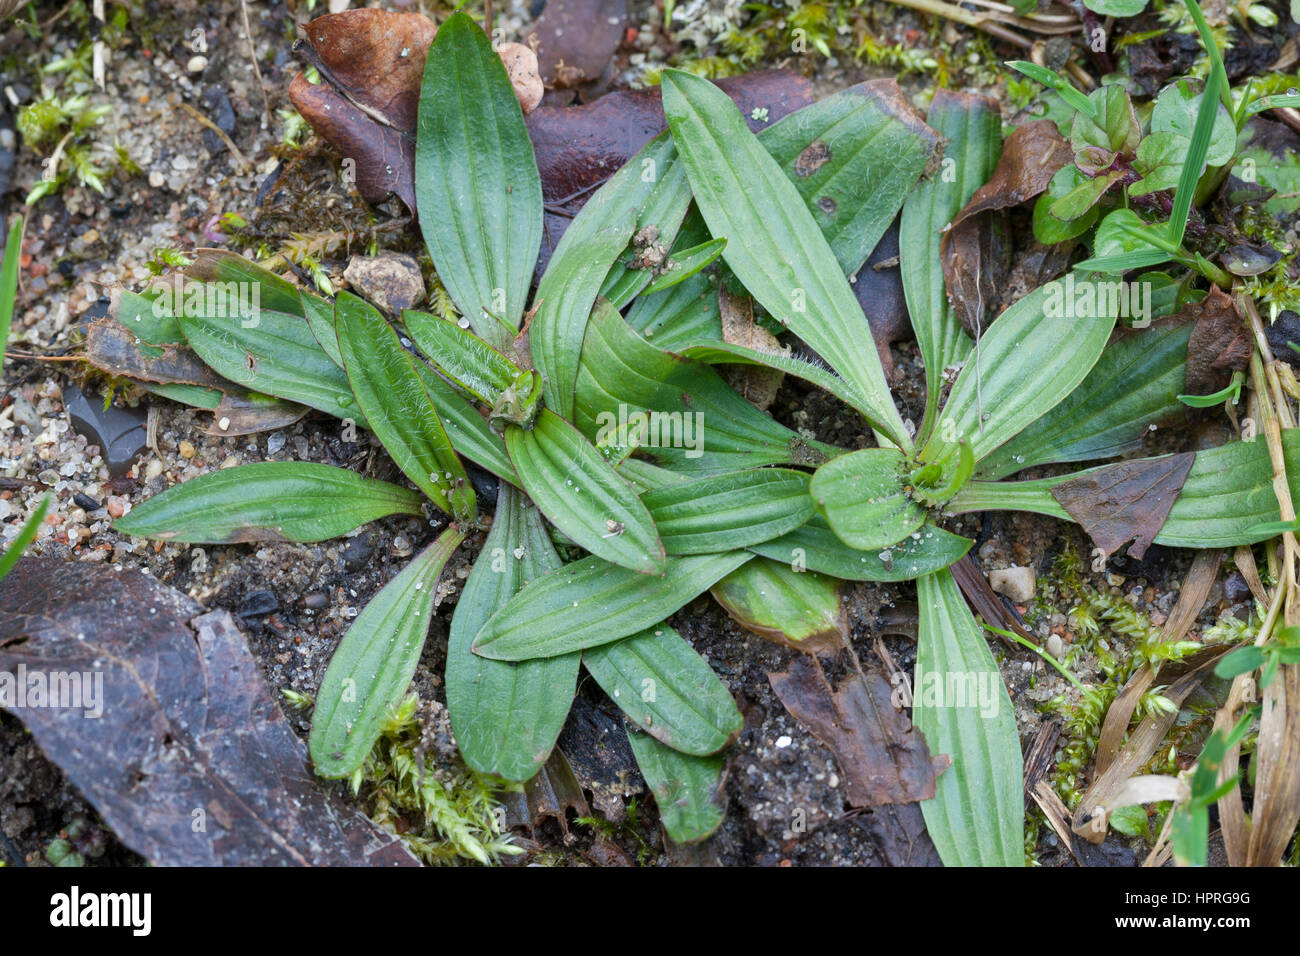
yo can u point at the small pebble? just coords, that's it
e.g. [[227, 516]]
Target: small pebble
[[783, 741], [1055, 646], [197, 64], [1015, 582], [86, 502], [187, 450], [117, 506]]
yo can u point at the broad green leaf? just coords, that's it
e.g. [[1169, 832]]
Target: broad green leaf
[[685, 264], [582, 494], [478, 193], [863, 496], [798, 608], [1116, 8], [592, 602], [149, 317], [686, 788], [775, 247], [9, 281], [973, 128], [814, 547], [1160, 161], [461, 355], [1113, 127], [506, 716], [26, 535], [1134, 384], [1076, 203], [1048, 229], [697, 423], [1175, 111], [274, 353], [1241, 661], [961, 706], [267, 501], [729, 511], [394, 400], [1033, 356], [373, 665], [831, 151], [666, 689]]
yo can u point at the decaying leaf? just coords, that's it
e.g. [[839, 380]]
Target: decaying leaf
[[1220, 343], [1031, 156], [175, 739], [883, 757], [879, 288], [1127, 501], [111, 348], [576, 38], [550, 794], [983, 599], [755, 382]]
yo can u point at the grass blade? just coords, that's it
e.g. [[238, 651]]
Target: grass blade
[[9, 283]]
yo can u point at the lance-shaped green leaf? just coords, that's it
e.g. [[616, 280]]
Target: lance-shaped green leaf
[[319, 314], [684, 264], [469, 431], [961, 706], [9, 281], [506, 716], [775, 247], [582, 494], [1226, 500], [681, 315], [462, 356], [591, 602], [373, 665], [725, 512], [1033, 356], [268, 501], [392, 397], [798, 608], [667, 689], [477, 189], [687, 789], [719, 353], [973, 128], [1134, 385], [222, 267], [274, 353], [26, 535], [814, 547], [863, 496], [695, 421]]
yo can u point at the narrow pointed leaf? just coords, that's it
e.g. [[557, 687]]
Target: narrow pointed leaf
[[373, 665], [392, 397], [667, 689], [686, 788], [478, 192], [972, 126], [267, 501], [469, 431], [320, 319], [685, 264], [582, 494], [960, 704], [9, 282], [506, 716], [461, 355], [774, 246], [863, 499], [592, 602]]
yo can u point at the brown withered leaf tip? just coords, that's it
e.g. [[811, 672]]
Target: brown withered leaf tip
[[1127, 501], [189, 760], [1031, 156], [884, 758], [1219, 345]]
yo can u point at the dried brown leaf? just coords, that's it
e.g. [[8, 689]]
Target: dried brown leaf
[[1127, 501], [190, 761], [1219, 345], [883, 757]]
